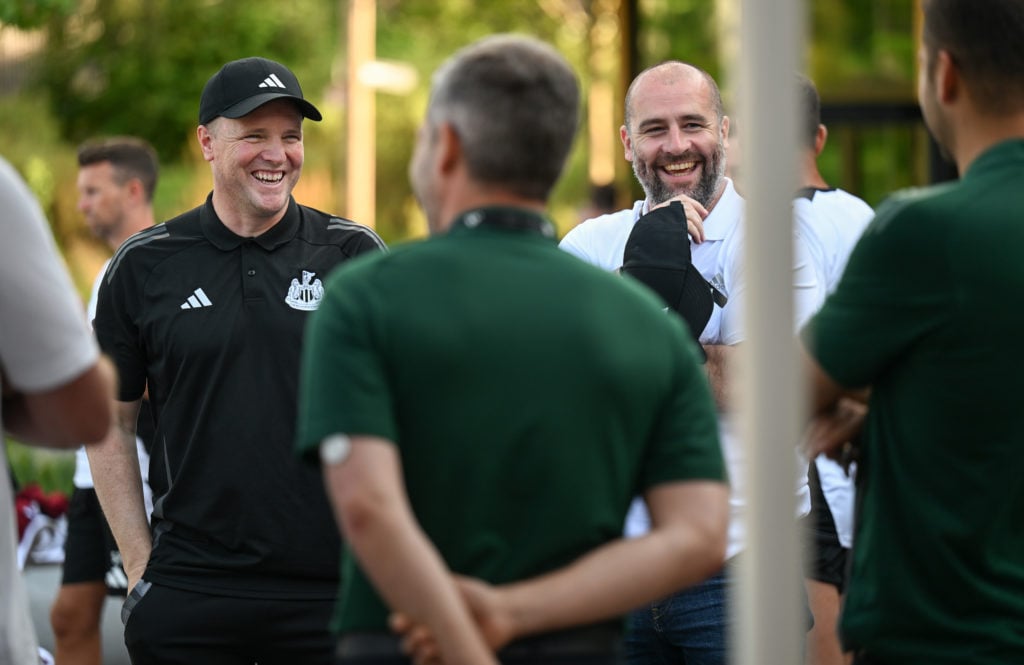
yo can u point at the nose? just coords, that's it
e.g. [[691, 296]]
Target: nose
[[274, 150], [677, 140]]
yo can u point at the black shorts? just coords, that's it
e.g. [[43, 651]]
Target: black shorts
[[90, 552], [826, 559]]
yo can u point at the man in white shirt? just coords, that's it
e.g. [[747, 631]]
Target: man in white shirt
[[675, 135], [116, 181], [831, 221]]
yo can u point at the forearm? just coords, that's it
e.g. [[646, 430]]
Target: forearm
[[77, 412], [402, 564], [624, 574], [720, 369], [115, 470]]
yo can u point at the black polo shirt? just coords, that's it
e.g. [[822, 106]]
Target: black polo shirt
[[213, 323]]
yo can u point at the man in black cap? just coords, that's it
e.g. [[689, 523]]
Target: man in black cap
[[207, 311]]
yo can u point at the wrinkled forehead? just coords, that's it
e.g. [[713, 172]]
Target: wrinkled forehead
[[671, 95]]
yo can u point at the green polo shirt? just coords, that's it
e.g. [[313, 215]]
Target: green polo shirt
[[928, 313], [530, 395]]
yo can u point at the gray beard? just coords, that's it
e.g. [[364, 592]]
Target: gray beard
[[712, 174]]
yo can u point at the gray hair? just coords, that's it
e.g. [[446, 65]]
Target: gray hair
[[513, 101]]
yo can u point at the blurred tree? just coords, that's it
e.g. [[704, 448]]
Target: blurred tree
[[423, 33], [29, 14], [858, 52], [682, 30], [131, 67]]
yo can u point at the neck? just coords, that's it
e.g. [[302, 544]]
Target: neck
[[243, 225], [483, 198], [133, 224], [810, 176], [715, 199]]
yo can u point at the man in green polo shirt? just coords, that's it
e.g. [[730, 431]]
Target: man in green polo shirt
[[928, 316], [481, 406]]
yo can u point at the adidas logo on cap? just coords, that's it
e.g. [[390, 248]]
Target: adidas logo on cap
[[272, 82]]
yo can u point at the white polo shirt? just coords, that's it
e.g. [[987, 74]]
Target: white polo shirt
[[831, 221], [602, 241]]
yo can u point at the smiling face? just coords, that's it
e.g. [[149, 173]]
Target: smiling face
[[674, 137], [256, 161]]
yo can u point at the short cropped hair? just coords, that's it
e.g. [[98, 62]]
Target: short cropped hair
[[810, 110], [716, 94], [130, 157], [513, 101], [986, 41]]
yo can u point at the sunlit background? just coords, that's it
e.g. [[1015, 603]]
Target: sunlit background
[[71, 70]]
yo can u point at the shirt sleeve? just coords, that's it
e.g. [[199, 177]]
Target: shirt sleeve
[[574, 243], [685, 441], [896, 288], [44, 338], [343, 386], [808, 281], [117, 303]]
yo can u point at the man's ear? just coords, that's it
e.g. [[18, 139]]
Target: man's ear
[[948, 84], [137, 191], [820, 137], [449, 149], [205, 141], [627, 143]]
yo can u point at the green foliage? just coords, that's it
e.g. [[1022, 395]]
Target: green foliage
[[123, 67], [138, 67], [424, 33], [33, 145], [29, 14], [50, 469], [862, 48], [679, 30]]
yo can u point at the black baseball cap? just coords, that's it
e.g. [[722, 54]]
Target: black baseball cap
[[657, 254], [243, 85]]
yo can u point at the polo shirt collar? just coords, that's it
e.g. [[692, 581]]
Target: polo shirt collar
[[506, 218], [722, 217], [1008, 152], [226, 240]]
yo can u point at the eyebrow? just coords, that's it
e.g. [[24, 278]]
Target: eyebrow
[[689, 117]]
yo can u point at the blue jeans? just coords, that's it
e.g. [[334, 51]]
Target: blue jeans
[[686, 628]]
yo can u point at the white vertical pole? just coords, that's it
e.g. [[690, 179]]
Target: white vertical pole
[[767, 604]]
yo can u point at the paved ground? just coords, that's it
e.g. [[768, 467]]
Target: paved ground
[[42, 582]]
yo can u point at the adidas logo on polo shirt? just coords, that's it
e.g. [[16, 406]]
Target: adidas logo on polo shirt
[[197, 300]]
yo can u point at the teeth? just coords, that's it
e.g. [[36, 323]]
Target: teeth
[[269, 178], [680, 167]]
